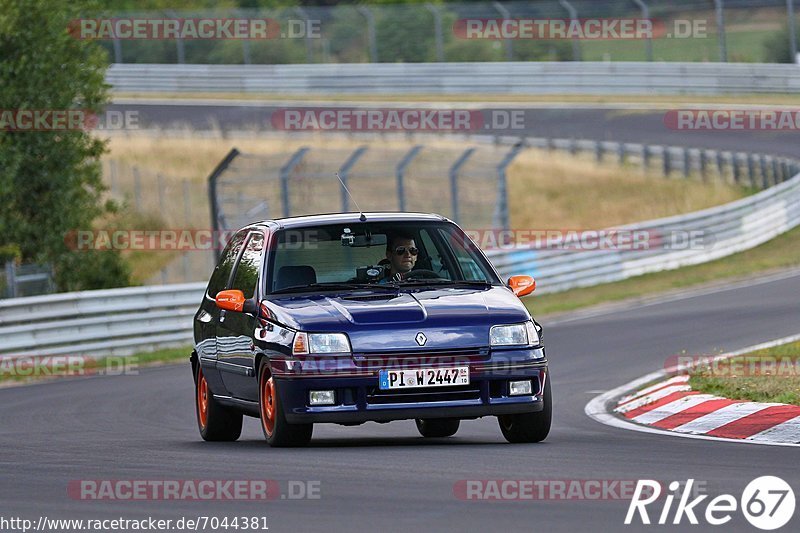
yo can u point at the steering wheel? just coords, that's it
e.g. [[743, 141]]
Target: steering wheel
[[422, 273]]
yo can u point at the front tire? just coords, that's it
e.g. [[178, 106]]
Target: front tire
[[529, 427], [278, 432], [215, 422], [437, 427]]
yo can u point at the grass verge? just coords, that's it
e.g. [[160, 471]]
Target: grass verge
[[768, 375], [778, 253]]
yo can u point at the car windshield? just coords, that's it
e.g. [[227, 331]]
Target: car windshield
[[375, 255]]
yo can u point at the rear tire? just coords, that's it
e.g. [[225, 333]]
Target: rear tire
[[437, 427], [529, 427], [278, 432], [215, 422]]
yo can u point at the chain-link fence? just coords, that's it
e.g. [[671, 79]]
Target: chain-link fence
[[689, 30], [466, 184]]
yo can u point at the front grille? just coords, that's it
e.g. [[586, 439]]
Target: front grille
[[423, 357], [375, 396]]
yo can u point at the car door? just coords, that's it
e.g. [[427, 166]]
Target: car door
[[207, 317], [235, 330]]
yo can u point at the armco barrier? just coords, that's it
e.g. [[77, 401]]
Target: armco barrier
[[107, 322], [460, 78], [123, 321]]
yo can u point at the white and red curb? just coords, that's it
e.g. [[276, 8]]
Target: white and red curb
[[671, 407]]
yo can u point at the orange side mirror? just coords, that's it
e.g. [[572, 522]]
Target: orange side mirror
[[230, 300], [522, 285]]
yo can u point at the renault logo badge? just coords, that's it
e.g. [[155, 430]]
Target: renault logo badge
[[421, 339]]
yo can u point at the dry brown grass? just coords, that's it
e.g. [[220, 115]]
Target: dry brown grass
[[546, 190], [557, 191]]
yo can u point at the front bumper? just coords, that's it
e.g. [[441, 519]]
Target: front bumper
[[358, 398]]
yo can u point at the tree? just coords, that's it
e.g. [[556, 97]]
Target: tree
[[50, 181]]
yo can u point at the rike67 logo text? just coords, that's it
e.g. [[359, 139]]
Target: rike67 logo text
[[767, 502]]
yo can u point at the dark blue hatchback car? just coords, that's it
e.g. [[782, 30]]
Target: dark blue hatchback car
[[351, 318]]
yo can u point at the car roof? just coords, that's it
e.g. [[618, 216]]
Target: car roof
[[350, 218]]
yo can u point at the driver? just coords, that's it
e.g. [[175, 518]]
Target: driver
[[401, 256]]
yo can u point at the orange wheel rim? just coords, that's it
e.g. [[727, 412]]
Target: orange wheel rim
[[269, 401], [202, 400]]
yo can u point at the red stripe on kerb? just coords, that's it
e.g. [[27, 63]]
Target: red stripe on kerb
[[681, 418], [752, 424], [633, 413]]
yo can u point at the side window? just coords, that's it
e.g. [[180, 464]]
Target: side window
[[246, 275], [467, 260], [223, 270], [434, 254]]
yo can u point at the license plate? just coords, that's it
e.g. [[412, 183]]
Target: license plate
[[423, 378]]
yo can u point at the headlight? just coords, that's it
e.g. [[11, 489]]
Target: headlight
[[514, 335], [305, 343]]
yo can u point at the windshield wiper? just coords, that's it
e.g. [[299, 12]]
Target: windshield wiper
[[455, 282], [335, 287]]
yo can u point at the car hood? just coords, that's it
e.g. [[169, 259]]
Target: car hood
[[385, 321]]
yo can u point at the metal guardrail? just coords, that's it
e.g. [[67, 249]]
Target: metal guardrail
[[123, 321], [103, 322], [460, 78]]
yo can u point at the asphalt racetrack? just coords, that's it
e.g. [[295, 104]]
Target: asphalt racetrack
[[626, 123], [385, 477]]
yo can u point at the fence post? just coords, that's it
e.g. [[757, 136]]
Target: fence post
[[573, 16], [501, 216], [285, 173], [454, 170], [344, 173], [665, 156], [187, 204], [764, 172], [137, 188], [507, 43], [751, 170], [721, 166], [309, 46], [371, 33], [737, 172], [723, 47], [621, 153], [687, 163], [117, 50], [598, 151], [400, 173], [161, 193], [703, 160], [112, 175], [437, 29], [212, 198], [645, 158], [792, 30], [775, 171], [649, 41], [11, 282]]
